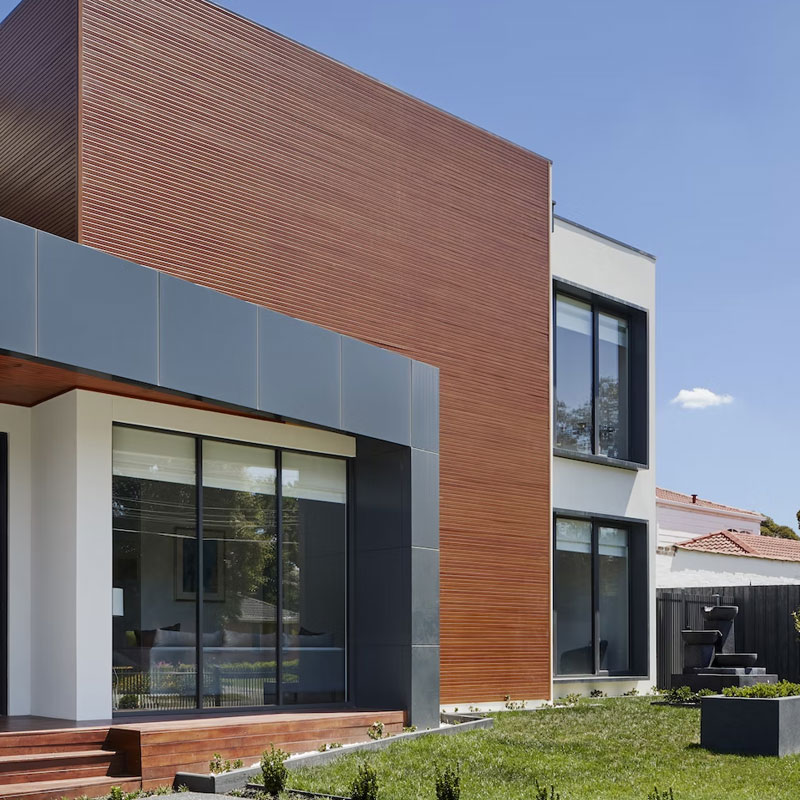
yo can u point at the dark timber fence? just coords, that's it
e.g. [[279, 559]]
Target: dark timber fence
[[764, 625]]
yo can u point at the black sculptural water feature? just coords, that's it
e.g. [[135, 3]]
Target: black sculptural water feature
[[709, 657]]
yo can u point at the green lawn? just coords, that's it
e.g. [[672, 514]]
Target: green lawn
[[599, 750]]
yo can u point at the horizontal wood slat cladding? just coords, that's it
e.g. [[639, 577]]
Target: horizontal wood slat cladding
[[221, 152], [39, 115]]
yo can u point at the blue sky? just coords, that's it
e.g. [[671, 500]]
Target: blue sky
[[672, 126]]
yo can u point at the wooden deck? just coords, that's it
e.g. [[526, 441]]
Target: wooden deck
[[41, 758]]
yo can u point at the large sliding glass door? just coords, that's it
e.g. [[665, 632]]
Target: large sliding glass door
[[244, 543]]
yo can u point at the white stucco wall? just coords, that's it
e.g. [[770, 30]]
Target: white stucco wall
[[598, 264], [16, 422], [679, 522], [690, 568], [60, 543]]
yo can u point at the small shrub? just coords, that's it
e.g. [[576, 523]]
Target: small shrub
[[631, 693], [679, 694], [656, 795], [365, 784], [568, 699], [409, 728], [375, 731], [274, 770], [541, 793], [779, 689], [448, 784], [183, 788], [128, 701], [335, 745], [514, 705], [597, 693]]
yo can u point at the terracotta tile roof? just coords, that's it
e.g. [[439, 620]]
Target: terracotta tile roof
[[679, 497], [745, 544]]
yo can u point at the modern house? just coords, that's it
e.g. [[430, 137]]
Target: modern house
[[307, 402], [704, 543]]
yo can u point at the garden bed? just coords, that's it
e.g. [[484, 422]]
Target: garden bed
[[238, 778]]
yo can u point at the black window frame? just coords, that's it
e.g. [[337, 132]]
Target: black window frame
[[638, 597], [638, 375], [199, 439]]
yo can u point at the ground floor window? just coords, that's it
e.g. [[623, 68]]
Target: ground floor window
[[229, 573], [599, 574]]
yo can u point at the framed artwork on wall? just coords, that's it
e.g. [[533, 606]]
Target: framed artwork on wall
[[213, 565]]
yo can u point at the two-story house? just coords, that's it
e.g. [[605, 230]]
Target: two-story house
[[307, 403]]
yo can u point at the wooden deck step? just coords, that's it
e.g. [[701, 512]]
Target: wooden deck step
[[58, 766], [51, 741], [70, 787]]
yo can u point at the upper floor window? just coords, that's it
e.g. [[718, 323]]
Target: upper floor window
[[600, 378]]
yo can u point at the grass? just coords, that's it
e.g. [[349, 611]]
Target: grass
[[598, 750]]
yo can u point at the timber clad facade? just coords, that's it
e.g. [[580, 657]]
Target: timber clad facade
[[217, 151], [39, 116]]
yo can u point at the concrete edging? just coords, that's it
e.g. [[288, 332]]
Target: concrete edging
[[238, 778]]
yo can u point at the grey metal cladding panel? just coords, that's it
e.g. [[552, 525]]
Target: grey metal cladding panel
[[299, 369], [424, 406], [424, 596], [424, 498], [424, 705], [382, 586], [382, 676], [17, 287], [382, 506], [208, 343], [376, 392], [96, 311]]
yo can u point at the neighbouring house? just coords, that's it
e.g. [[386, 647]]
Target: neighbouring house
[[307, 401], [703, 543]]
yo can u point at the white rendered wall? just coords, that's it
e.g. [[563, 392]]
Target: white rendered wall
[[54, 557], [678, 523], [692, 568], [16, 422], [609, 268]]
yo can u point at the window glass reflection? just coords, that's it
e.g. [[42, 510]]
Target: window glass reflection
[[612, 389], [240, 592], [613, 600], [153, 520], [574, 356], [572, 579], [314, 574]]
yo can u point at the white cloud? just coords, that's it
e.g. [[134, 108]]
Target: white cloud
[[701, 398]]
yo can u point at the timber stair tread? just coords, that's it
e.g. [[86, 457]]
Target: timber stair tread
[[64, 755], [68, 787]]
